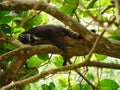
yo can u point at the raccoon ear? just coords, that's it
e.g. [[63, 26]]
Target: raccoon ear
[[22, 36]]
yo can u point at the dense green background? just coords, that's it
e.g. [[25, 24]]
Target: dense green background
[[107, 79]]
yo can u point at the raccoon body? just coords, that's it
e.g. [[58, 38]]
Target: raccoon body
[[53, 33]]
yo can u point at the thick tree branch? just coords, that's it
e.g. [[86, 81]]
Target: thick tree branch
[[22, 54], [13, 69], [105, 46], [28, 51], [43, 6], [53, 71], [82, 48]]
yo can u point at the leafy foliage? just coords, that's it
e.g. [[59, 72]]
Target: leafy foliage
[[81, 10], [108, 84], [69, 7], [51, 86]]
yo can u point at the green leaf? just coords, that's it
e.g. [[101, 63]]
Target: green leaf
[[27, 72], [57, 2], [91, 4], [101, 57], [34, 22], [18, 30], [69, 6], [85, 87], [107, 84], [118, 28], [62, 81], [5, 19], [76, 87], [58, 60], [3, 13], [9, 47], [43, 56], [117, 37], [34, 61], [31, 86], [52, 85], [45, 87], [90, 77], [5, 28]]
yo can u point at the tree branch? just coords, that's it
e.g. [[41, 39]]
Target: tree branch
[[43, 6], [95, 45], [44, 48], [53, 71], [105, 46]]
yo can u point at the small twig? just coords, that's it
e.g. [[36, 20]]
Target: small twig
[[84, 73], [31, 17], [81, 75], [106, 8], [27, 19], [100, 22], [98, 73], [77, 17], [98, 77], [69, 85], [95, 45], [37, 68]]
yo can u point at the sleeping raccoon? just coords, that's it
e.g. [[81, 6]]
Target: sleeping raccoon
[[53, 33]]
